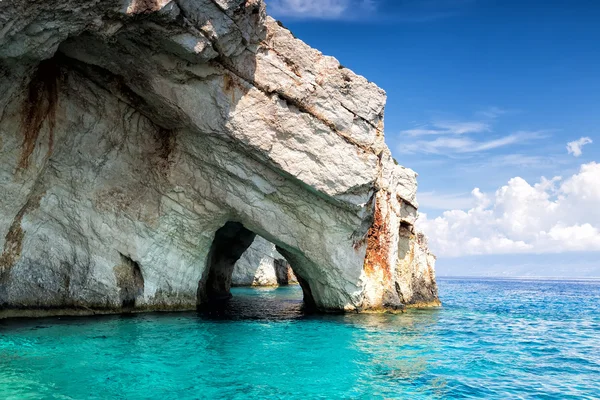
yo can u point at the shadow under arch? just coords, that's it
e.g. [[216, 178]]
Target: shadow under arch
[[229, 244]]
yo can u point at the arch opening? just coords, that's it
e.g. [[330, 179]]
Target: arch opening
[[262, 266], [230, 243]]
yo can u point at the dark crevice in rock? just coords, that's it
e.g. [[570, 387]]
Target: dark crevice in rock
[[399, 292], [424, 291], [407, 227], [392, 300], [281, 272], [130, 282], [230, 242]]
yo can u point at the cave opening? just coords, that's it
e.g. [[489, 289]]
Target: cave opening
[[239, 258]]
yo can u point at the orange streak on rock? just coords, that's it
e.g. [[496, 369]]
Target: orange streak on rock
[[13, 243], [378, 245]]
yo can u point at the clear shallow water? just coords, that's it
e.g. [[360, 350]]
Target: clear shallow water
[[492, 339]]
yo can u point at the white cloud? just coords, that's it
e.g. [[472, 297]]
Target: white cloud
[[318, 9], [576, 147], [551, 216], [462, 144]]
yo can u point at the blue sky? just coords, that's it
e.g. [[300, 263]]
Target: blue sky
[[483, 94]]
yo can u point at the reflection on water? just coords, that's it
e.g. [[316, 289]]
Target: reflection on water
[[492, 339], [271, 304]]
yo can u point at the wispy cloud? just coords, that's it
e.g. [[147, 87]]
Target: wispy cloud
[[406, 11], [462, 144], [520, 161], [319, 9], [452, 137], [492, 112], [576, 147], [448, 128]]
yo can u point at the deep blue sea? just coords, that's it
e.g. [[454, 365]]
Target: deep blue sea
[[495, 339]]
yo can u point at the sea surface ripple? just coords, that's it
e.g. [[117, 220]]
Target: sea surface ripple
[[494, 339]]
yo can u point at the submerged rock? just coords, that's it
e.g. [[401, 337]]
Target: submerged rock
[[144, 144]]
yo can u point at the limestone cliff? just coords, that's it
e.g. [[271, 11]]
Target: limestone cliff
[[144, 144]]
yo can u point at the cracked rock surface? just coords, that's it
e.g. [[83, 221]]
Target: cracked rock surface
[[144, 144]]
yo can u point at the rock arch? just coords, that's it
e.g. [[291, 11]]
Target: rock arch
[[229, 244], [159, 125]]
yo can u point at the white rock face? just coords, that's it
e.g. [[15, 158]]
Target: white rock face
[[262, 265], [144, 144]]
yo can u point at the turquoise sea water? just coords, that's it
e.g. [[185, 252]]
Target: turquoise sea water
[[492, 339]]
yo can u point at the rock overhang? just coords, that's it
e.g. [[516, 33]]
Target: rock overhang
[[225, 117]]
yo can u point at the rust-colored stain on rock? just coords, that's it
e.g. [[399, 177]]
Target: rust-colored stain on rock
[[13, 243], [38, 107], [378, 245], [231, 84], [13, 246]]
